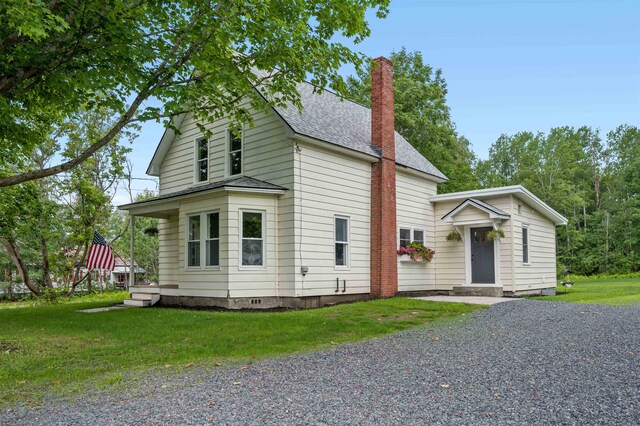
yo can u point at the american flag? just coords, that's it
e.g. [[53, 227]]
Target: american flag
[[100, 254]]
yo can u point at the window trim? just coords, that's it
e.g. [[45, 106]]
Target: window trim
[[528, 245], [264, 240], [412, 236], [228, 152], [196, 160], [204, 217], [347, 266]]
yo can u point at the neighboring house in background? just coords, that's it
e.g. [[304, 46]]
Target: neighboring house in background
[[309, 208]]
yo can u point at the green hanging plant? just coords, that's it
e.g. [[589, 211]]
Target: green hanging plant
[[496, 234], [454, 237]]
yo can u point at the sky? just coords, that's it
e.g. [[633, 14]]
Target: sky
[[510, 65]]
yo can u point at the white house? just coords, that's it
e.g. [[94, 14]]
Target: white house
[[309, 208]]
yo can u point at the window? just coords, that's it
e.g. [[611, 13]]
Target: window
[[235, 152], [193, 241], [252, 239], [212, 241], [202, 160], [408, 235], [341, 241], [525, 244], [203, 228]]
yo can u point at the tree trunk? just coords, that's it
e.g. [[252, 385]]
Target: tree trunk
[[79, 265], [14, 254], [46, 268], [9, 277]]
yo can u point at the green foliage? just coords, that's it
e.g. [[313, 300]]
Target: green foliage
[[423, 117], [53, 347], [454, 236], [62, 57], [417, 251], [595, 183], [495, 234]]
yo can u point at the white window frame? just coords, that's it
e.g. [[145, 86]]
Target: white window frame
[[528, 246], [204, 237], [196, 161], [228, 152], [412, 236], [207, 239], [347, 265], [264, 240]]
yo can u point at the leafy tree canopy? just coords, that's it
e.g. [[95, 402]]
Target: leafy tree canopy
[[64, 56], [422, 116]]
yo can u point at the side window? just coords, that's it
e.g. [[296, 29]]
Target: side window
[[193, 241], [341, 241], [252, 239], [202, 160], [405, 237], [525, 244], [213, 240], [235, 152], [409, 235]]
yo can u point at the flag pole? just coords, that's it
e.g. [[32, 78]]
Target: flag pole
[[131, 261]]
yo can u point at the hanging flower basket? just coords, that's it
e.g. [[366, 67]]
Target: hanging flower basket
[[416, 252], [496, 235], [454, 237]]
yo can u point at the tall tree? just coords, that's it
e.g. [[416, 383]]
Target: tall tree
[[60, 57], [422, 116]]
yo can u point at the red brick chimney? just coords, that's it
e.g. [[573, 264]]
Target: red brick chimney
[[384, 266]]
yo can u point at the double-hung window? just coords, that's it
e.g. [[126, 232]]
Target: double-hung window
[[193, 241], [525, 244], [203, 228], [212, 240], [409, 235], [202, 160], [341, 241], [235, 152], [252, 232]]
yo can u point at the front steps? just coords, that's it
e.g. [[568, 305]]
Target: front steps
[[142, 300]]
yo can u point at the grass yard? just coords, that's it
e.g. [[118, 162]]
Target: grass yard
[[618, 291], [55, 348]]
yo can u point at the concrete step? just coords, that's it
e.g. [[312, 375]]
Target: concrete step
[[142, 296], [137, 302]]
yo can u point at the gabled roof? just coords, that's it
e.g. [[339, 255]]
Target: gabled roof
[[329, 118], [492, 211], [517, 190], [239, 184]]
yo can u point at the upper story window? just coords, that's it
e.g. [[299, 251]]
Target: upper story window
[[525, 244], [209, 234], [252, 233], [409, 235], [202, 160], [235, 152], [341, 241]]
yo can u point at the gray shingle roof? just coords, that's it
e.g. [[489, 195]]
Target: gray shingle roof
[[330, 118], [241, 182]]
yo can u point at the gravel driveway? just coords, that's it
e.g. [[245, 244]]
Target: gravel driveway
[[522, 362]]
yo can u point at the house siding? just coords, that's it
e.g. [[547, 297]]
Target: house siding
[[168, 250], [541, 273], [413, 210], [327, 184]]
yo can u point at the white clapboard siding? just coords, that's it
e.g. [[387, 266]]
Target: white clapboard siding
[[329, 184], [413, 210], [541, 273], [168, 250], [449, 258]]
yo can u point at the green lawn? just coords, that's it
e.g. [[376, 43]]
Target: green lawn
[[55, 348], [619, 291]]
